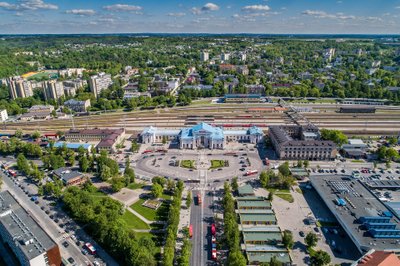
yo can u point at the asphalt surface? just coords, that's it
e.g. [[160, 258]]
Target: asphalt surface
[[54, 230], [201, 217]]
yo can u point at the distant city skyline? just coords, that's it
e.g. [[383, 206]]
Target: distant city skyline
[[193, 16]]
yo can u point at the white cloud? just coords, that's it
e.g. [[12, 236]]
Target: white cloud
[[397, 7], [81, 12], [28, 5], [206, 8], [256, 8], [122, 8], [323, 14], [210, 7], [177, 15]]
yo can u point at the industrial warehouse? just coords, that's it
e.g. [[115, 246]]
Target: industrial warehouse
[[368, 222], [202, 135]]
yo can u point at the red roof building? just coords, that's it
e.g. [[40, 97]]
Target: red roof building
[[379, 258]]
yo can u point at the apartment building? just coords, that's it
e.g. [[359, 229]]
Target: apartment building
[[100, 82], [19, 87], [3, 115], [53, 89], [77, 106]]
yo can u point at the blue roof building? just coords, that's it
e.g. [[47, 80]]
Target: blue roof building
[[72, 146], [202, 135]]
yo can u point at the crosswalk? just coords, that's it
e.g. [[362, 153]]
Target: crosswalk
[[63, 237]]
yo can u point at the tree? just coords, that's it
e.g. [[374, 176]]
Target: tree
[[392, 154], [299, 163], [270, 196], [83, 164], [392, 141], [311, 239], [334, 135], [188, 199], [320, 258], [264, 179], [35, 135], [382, 151], [284, 169], [306, 163], [117, 183], [236, 258], [159, 180], [156, 190], [170, 185], [105, 173], [164, 140], [23, 164], [287, 239], [18, 133], [235, 185]]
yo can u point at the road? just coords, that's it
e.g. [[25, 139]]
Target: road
[[201, 217], [53, 229]]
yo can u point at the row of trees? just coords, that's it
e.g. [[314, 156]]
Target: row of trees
[[103, 220], [388, 154], [173, 221], [336, 136], [16, 146], [282, 180], [231, 229]]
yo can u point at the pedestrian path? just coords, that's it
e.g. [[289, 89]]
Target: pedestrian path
[[184, 220]]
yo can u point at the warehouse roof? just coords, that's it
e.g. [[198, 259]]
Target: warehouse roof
[[257, 217], [246, 190]]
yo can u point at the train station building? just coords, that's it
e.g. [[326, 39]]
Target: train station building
[[202, 135]]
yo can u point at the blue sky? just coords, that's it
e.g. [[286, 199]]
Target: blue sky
[[194, 16]]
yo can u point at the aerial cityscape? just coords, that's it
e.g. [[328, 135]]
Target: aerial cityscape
[[192, 133]]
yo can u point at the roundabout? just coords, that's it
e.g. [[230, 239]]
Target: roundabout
[[201, 166]]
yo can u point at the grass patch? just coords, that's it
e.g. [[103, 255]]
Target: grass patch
[[97, 195], [323, 223], [134, 186], [200, 102], [187, 164], [133, 222], [161, 214], [217, 164], [298, 190], [287, 197], [357, 161], [277, 190]]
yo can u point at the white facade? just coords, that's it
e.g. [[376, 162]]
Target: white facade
[[202, 136], [100, 82], [204, 56], [4, 115], [53, 89]]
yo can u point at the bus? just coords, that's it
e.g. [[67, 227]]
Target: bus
[[190, 231], [199, 199], [251, 172], [90, 248]]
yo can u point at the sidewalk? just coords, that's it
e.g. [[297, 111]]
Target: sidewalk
[[184, 220]]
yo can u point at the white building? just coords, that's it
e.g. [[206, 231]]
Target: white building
[[242, 57], [202, 135], [225, 56], [3, 115], [53, 89], [204, 56], [100, 82]]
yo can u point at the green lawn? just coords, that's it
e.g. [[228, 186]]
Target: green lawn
[[161, 214], [276, 190], [217, 164], [133, 222], [134, 186], [187, 164], [97, 195], [287, 197]]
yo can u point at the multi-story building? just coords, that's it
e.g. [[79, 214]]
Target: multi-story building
[[108, 138], [53, 89], [70, 177], [100, 82], [225, 56], [3, 115], [77, 106], [71, 71], [24, 236], [204, 56], [301, 143], [242, 57], [202, 135], [19, 87]]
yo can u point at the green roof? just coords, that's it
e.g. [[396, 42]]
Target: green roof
[[254, 198], [246, 190], [267, 228], [253, 203], [256, 211], [257, 217], [266, 257], [262, 236]]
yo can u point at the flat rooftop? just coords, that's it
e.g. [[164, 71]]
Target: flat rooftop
[[257, 217], [264, 253], [379, 184], [246, 190], [262, 236], [248, 204], [31, 239], [363, 203]]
